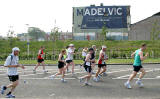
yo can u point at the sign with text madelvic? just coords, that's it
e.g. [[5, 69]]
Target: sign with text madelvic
[[95, 17]]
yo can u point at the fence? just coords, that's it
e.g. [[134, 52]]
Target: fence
[[112, 54]]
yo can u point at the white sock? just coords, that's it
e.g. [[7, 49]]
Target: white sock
[[128, 82], [139, 79]]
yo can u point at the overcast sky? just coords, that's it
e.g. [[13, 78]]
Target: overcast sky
[[43, 13]]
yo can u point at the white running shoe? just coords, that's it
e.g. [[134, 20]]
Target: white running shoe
[[87, 84], [45, 71], [52, 77], [127, 85], [95, 79], [68, 71], [80, 80], [63, 81], [139, 83], [104, 74], [34, 71]]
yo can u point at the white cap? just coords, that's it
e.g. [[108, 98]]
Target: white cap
[[15, 49], [71, 44], [104, 47], [93, 46]]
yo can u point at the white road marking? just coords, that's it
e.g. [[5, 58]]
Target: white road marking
[[130, 74], [134, 78], [45, 78], [52, 94]]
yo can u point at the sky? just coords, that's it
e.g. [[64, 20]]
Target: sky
[[15, 14]]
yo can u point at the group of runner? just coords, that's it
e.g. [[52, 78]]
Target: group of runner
[[65, 59]]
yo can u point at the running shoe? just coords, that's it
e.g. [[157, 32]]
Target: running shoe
[[139, 83], [45, 71], [80, 80], [52, 77], [34, 71], [95, 79], [10, 96], [127, 85], [63, 81], [87, 84], [2, 89], [104, 74]]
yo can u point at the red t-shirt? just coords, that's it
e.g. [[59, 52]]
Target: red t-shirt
[[40, 56]]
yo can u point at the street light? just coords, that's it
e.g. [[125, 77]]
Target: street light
[[27, 25]]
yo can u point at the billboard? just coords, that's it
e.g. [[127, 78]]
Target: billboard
[[95, 17]]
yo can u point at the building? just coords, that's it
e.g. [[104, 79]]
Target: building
[[88, 22], [143, 30]]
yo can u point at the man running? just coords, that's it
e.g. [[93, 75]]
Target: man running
[[101, 64], [87, 66], [69, 59], [61, 63], [137, 66], [40, 60], [12, 64]]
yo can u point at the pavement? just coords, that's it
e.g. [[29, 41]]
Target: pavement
[[40, 86]]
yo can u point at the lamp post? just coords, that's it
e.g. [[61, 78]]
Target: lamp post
[[27, 25]]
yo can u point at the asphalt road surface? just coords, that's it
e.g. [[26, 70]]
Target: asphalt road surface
[[40, 86]]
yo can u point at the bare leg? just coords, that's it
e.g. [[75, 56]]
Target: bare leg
[[104, 70], [99, 69], [38, 64], [142, 73], [132, 76], [43, 65], [13, 85], [73, 65]]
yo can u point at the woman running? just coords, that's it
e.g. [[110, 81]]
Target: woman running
[[61, 63]]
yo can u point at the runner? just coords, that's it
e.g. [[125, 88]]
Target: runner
[[87, 66], [93, 56], [61, 63], [65, 56], [69, 59], [84, 53], [101, 64], [40, 60], [12, 64], [137, 66]]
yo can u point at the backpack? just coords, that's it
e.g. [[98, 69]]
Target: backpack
[[11, 58]]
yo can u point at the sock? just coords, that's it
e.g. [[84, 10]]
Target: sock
[[4, 87], [9, 93], [139, 79], [128, 81]]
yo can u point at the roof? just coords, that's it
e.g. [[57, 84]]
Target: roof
[[157, 14]]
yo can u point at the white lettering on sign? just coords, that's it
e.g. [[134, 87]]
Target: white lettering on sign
[[100, 11]]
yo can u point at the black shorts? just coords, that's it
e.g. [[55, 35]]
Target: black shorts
[[60, 65], [101, 65], [137, 68], [69, 61], [88, 68], [40, 60], [13, 78]]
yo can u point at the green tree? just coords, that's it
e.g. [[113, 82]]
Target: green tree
[[36, 33], [104, 32]]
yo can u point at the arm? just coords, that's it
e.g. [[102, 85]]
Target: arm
[[59, 58], [100, 56], [143, 57], [132, 55], [8, 63], [88, 58]]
